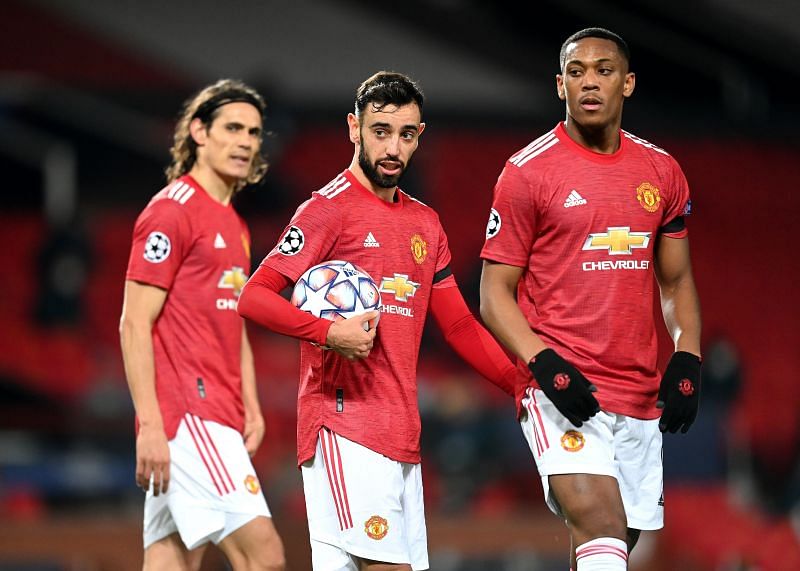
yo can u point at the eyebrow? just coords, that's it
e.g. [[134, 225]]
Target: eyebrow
[[583, 62], [240, 125], [384, 125]]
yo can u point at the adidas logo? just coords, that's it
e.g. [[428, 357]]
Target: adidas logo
[[371, 242], [574, 199], [219, 243]]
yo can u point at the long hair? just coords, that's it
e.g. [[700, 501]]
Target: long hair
[[204, 105]]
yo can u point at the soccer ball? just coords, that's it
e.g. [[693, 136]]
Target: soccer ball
[[337, 290]]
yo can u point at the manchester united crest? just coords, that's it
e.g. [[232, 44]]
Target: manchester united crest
[[419, 248], [572, 441], [376, 527], [251, 484], [648, 196]]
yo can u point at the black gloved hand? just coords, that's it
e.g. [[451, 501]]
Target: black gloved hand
[[679, 394], [565, 386]]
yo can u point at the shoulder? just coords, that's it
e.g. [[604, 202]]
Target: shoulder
[[413, 202], [646, 147], [178, 198], [535, 151], [418, 207], [653, 153], [181, 192], [335, 191], [327, 199], [170, 209]]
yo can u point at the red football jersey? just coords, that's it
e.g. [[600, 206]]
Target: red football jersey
[[187, 243], [584, 226], [403, 247]]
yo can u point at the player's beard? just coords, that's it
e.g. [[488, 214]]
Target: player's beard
[[374, 176]]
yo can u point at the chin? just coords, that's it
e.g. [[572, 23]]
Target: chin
[[592, 120]]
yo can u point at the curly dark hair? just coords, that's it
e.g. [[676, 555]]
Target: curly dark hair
[[204, 105], [387, 88]]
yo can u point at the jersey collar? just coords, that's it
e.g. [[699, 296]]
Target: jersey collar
[[601, 158]]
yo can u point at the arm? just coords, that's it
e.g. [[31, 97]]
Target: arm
[[679, 301], [564, 385], [253, 420], [260, 301], [502, 315], [140, 309], [469, 338], [679, 392]]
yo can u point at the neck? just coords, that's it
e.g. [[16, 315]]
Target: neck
[[602, 139], [385, 194], [217, 187]]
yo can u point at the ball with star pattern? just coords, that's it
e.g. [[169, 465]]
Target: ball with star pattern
[[336, 290]]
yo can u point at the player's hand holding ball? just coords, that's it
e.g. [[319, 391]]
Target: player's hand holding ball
[[352, 338], [679, 394], [347, 295], [565, 386]]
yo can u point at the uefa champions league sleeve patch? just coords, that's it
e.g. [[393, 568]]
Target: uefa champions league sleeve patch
[[292, 242], [493, 226], [157, 247]]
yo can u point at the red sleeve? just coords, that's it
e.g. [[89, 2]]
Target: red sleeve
[[678, 205], [308, 239], [513, 219], [162, 238], [261, 302], [470, 339]]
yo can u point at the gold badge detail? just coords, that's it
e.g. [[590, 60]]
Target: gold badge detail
[[245, 245], [572, 441], [376, 527], [400, 286], [251, 484], [648, 196], [234, 279], [419, 248]]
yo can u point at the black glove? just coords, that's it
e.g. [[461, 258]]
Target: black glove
[[563, 384], [679, 394]]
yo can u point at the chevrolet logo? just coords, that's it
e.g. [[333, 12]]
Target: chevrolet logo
[[400, 286], [618, 240], [234, 279]]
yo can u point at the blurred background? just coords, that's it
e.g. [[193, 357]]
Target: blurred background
[[89, 92]]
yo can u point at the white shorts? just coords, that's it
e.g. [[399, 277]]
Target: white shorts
[[362, 504], [213, 488], [629, 449]]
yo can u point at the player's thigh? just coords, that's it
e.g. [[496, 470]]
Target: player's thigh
[[577, 465], [256, 542], [169, 553], [590, 503]]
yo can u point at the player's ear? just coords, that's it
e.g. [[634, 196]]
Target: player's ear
[[630, 84], [354, 129], [198, 131], [562, 94]]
